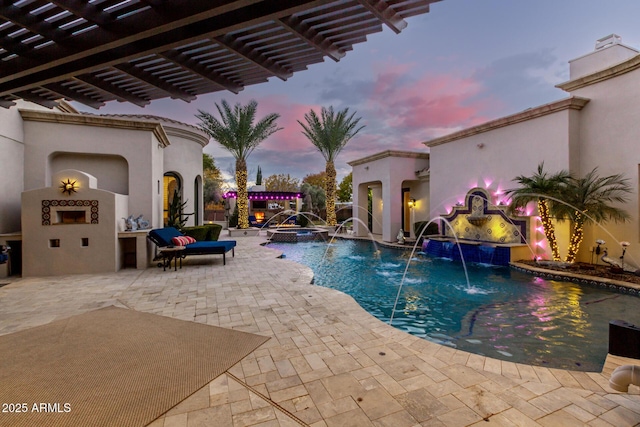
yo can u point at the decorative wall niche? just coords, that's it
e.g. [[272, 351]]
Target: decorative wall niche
[[480, 220]]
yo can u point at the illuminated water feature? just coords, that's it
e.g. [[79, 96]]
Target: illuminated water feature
[[511, 315]]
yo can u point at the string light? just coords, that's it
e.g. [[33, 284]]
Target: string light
[[243, 200], [576, 237], [547, 224]]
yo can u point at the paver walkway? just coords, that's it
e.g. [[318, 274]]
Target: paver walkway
[[328, 362]]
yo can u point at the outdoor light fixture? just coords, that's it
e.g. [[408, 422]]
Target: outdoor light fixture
[[597, 250], [412, 203], [69, 186]]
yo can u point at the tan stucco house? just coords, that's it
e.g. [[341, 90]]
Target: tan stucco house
[[596, 125], [118, 165]]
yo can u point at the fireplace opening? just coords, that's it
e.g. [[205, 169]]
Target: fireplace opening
[[72, 217]]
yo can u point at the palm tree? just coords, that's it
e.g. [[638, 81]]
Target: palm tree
[[538, 188], [330, 133], [237, 133], [589, 199]]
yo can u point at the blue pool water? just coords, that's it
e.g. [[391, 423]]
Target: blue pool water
[[503, 313]]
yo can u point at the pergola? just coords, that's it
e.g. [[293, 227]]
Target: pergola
[[136, 51]]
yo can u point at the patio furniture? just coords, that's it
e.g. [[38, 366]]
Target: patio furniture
[[164, 237], [169, 253], [253, 222]]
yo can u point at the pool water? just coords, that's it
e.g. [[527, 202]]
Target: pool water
[[501, 313]]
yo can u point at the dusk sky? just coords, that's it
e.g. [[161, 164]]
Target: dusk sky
[[465, 62]]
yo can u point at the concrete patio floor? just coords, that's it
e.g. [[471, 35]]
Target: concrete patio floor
[[328, 362]]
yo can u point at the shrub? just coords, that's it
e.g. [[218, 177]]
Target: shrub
[[302, 220], [233, 219], [208, 232]]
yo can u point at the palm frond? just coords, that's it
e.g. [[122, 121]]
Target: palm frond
[[235, 130], [330, 132]]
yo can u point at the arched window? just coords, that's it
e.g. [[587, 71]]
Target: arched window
[[171, 185]]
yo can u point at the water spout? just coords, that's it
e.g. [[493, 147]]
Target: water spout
[[404, 275]]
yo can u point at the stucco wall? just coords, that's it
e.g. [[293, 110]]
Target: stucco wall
[[492, 159], [39, 258], [184, 157], [392, 170], [11, 166], [111, 171], [140, 148], [609, 140]]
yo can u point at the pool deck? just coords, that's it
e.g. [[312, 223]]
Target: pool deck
[[328, 362]]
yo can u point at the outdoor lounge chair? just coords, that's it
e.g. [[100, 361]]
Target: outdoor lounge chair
[[163, 237], [253, 222]]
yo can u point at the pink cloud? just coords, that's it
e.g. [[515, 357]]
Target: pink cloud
[[431, 101], [290, 138]]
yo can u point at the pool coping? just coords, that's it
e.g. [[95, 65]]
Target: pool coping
[[612, 284]]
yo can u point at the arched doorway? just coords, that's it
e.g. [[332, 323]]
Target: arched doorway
[[172, 184]]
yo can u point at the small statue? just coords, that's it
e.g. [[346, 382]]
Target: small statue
[[142, 223], [130, 223], [400, 237]]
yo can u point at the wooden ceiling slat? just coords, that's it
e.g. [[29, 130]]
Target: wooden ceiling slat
[[37, 99], [74, 95], [141, 50], [196, 67], [141, 74], [385, 13], [251, 55], [312, 37], [119, 93]]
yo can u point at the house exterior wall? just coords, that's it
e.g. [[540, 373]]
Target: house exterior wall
[[126, 154], [609, 131], [50, 135], [596, 127], [600, 59], [492, 159], [11, 166], [184, 157], [390, 170]]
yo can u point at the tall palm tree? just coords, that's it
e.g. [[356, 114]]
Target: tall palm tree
[[330, 133], [237, 133], [589, 199], [538, 188]]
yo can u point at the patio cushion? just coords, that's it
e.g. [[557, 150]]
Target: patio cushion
[[163, 236], [182, 240]]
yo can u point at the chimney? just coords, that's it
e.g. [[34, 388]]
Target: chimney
[[609, 51]]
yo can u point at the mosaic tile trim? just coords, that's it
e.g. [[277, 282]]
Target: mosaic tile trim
[[48, 204], [590, 282]]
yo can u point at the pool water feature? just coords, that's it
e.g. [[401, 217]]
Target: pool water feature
[[505, 314]]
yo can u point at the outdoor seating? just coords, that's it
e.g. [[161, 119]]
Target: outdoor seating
[[253, 222], [163, 237]]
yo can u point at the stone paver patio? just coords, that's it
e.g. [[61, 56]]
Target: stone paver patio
[[328, 362]]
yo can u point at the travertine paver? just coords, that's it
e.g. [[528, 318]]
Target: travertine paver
[[328, 362]]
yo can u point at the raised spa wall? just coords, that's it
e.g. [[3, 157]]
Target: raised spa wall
[[484, 231], [298, 235]]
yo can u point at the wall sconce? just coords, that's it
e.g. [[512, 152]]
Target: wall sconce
[[412, 203], [68, 187]]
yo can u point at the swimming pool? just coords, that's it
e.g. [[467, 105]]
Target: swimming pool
[[504, 314]]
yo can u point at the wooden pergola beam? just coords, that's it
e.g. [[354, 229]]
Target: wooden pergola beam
[[385, 14]]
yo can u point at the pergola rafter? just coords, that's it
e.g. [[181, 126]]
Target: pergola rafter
[[141, 50]]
